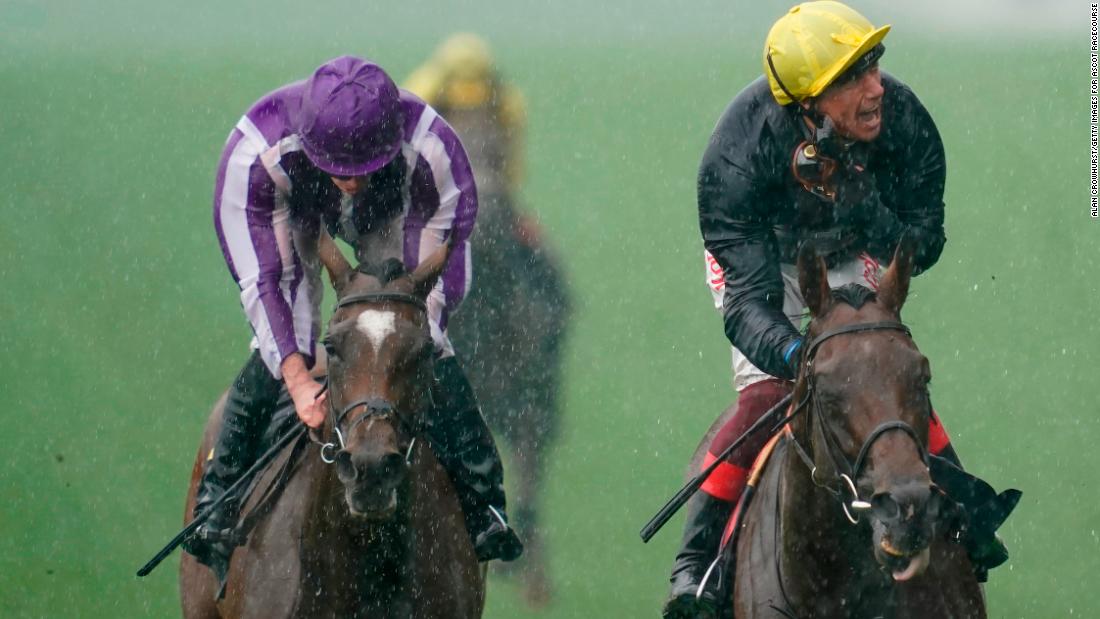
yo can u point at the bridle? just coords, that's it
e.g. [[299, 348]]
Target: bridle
[[845, 473], [373, 408]]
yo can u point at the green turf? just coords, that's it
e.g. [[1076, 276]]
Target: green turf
[[120, 322]]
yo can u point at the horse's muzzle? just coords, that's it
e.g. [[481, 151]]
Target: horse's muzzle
[[374, 506], [903, 522], [370, 482]]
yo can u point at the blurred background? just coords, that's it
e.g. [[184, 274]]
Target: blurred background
[[121, 325]]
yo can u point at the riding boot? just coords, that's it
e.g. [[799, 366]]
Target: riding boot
[[249, 403], [706, 520], [983, 511], [464, 446]]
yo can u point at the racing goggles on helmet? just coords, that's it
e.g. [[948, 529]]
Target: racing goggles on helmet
[[863, 64]]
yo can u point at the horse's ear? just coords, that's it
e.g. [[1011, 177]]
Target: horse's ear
[[337, 266], [428, 271], [895, 283], [813, 280]]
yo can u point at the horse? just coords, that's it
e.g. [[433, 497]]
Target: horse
[[368, 525], [512, 331], [845, 520]]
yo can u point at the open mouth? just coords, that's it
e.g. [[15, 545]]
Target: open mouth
[[870, 116], [366, 511], [903, 565]]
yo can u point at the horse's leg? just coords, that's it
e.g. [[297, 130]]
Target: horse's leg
[[529, 448]]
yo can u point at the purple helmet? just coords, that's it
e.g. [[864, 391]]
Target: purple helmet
[[351, 120]]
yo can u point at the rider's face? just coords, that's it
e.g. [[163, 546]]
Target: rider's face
[[350, 185], [855, 107]]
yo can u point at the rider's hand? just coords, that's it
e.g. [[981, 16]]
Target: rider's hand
[[310, 407], [792, 355], [303, 390]]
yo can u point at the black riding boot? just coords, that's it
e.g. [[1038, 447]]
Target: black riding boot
[[983, 511], [465, 447], [250, 401], [706, 520]]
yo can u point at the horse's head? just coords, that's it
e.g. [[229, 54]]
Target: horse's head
[[380, 362], [868, 390]]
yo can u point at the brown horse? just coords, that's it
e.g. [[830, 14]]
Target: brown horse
[[845, 520], [368, 525]]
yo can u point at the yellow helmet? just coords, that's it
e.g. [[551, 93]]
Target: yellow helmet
[[465, 56], [810, 46]]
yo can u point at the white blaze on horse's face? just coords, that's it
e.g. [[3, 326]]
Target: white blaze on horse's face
[[377, 325]]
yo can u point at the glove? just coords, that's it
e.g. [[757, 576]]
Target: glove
[[792, 355]]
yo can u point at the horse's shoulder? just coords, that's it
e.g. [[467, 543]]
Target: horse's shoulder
[[758, 582]]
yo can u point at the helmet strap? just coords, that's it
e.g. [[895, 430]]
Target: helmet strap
[[782, 86], [801, 112]]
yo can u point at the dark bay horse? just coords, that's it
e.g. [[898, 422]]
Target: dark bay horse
[[368, 524], [845, 519], [511, 333]]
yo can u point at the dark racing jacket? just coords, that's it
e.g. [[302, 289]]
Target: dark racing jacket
[[753, 213]]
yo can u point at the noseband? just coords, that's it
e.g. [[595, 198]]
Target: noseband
[[846, 473], [374, 408]]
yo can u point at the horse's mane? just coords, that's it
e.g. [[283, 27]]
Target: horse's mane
[[854, 294], [385, 271]]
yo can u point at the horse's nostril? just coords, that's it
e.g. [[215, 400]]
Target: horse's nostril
[[345, 468], [884, 507]]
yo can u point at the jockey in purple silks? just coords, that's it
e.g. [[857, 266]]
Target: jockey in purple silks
[[347, 153]]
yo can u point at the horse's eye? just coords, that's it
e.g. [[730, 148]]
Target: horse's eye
[[330, 348]]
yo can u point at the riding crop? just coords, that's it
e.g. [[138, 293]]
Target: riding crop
[[677, 501], [232, 490]]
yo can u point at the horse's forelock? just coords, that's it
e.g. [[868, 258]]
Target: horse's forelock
[[385, 271], [854, 295]]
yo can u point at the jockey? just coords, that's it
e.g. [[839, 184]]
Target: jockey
[[824, 148], [461, 82], [346, 151]]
